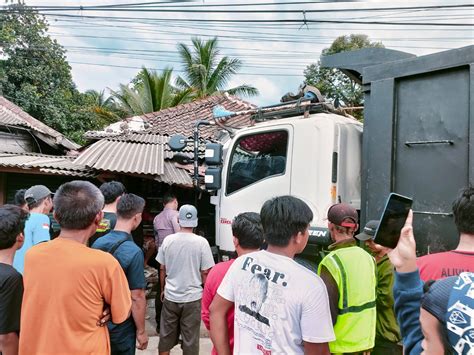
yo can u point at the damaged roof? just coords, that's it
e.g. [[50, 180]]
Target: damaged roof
[[13, 116], [135, 154], [51, 164], [181, 119]]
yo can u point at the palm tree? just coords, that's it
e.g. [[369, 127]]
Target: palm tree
[[105, 108], [205, 74], [150, 92]]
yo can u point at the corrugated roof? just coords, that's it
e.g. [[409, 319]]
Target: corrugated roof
[[141, 138], [174, 175], [181, 119], [12, 115], [52, 164], [123, 157]]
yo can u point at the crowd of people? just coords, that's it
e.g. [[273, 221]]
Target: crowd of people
[[80, 289]]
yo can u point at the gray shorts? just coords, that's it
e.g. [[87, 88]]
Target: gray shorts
[[180, 318]]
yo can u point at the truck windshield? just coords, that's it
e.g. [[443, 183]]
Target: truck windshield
[[256, 157]]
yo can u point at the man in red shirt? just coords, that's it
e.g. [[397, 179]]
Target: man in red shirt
[[248, 237], [452, 263]]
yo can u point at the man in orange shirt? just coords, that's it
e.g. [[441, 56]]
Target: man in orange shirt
[[67, 285]]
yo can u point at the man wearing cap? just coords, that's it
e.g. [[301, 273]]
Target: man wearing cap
[[387, 333], [185, 260], [349, 273], [39, 202]]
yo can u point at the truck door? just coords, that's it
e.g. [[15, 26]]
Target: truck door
[[257, 168]]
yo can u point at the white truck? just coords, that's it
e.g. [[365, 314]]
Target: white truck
[[417, 140], [316, 158]]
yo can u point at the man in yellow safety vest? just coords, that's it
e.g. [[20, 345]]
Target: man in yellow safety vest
[[349, 273]]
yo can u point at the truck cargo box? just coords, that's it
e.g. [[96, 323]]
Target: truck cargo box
[[418, 137]]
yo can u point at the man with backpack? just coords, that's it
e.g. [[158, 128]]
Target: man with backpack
[[120, 244]]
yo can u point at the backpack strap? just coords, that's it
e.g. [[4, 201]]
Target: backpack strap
[[116, 245]]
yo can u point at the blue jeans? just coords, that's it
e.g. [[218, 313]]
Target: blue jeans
[[123, 337]]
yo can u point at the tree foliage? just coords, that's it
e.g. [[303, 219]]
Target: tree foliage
[[150, 92], [37, 77], [205, 74], [105, 107], [332, 82]]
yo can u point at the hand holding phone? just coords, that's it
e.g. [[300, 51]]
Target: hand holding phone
[[393, 219], [403, 257]]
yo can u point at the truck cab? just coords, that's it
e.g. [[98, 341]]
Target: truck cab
[[315, 157]]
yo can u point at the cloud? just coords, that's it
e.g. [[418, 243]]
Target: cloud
[[267, 50]]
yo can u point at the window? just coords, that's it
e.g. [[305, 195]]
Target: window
[[256, 157]]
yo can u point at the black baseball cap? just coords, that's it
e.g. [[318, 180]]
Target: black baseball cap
[[369, 231]]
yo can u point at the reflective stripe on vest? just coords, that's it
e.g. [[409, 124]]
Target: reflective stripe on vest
[[345, 309], [354, 271]]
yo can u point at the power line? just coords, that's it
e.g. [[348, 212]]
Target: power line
[[88, 25], [295, 25], [233, 11], [180, 71], [282, 21], [138, 39]]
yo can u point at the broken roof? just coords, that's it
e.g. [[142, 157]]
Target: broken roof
[[180, 119], [50, 164], [135, 154], [13, 116]]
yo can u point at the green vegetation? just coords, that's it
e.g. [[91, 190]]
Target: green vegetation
[[205, 74], [332, 83], [37, 77]]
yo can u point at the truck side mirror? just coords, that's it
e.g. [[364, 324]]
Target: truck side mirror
[[212, 179], [213, 155], [177, 142]]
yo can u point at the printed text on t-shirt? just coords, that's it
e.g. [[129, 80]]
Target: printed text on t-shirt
[[271, 275]]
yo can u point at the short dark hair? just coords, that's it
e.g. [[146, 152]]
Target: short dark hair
[[76, 204], [19, 198], [35, 203], [283, 217], [129, 205], [168, 197], [111, 190], [12, 223], [463, 210], [247, 228]]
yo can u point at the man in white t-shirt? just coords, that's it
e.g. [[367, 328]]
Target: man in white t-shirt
[[280, 306], [185, 260]]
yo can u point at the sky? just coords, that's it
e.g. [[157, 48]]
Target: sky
[[106, 48]]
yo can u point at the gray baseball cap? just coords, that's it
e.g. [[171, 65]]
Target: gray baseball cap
[[369, 231], [188, 216], [36, 193]]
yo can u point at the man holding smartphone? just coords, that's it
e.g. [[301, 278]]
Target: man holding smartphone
[[349, 273]]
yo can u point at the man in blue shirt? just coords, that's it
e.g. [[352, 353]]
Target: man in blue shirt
[[40, 203], [120, 244]]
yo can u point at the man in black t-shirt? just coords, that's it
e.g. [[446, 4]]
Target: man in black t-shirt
[[12, 223], [112, 192]]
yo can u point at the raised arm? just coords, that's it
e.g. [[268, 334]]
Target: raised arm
[[408, 289]]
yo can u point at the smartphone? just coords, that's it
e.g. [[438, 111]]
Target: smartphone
[[393, 219]]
